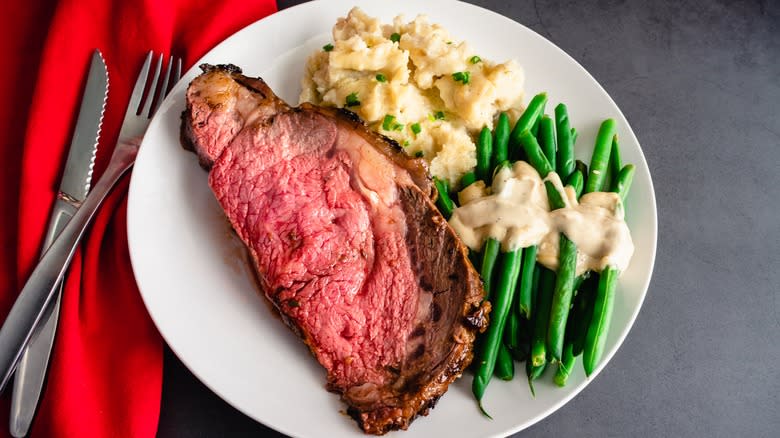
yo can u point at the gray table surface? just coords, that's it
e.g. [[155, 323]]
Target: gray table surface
[[699, 81]]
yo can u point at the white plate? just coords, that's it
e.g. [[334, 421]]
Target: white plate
[[203, 299]]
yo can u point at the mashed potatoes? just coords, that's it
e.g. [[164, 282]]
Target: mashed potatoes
[[414, 83]]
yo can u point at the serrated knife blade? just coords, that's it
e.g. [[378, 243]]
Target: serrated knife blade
[[83, 147], [74, 186]]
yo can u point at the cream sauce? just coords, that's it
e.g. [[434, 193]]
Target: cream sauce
[[516, 212]]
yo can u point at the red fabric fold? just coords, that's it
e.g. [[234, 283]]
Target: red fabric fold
[[105, 376]]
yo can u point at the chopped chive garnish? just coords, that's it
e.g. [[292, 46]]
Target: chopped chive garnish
[[416, 128], [381, 78], [352, 100], [475, 59], [327, 47], [389, 124], [418, 154], [449, 42], [395, 37], [405, 143], [438, 115], [462, 76]]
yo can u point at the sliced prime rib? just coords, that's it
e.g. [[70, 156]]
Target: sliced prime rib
[[346, 242]]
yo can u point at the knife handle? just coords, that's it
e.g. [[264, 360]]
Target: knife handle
[[30, 307], [31, 371]]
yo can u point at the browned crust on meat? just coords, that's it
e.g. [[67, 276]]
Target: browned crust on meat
[[186, 136], [430, 236], [264, 95]]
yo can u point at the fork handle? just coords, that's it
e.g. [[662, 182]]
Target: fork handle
[[36, 295]]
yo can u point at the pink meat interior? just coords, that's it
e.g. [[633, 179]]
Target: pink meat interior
[[302, 193]]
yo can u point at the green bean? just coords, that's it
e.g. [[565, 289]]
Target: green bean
[[533, 373], [505, 365], [525, 294], [510, 270], [598, 326], [576, 181], [561, 301], [501, 304], [539, 162], [489, 256], [600, 159], [535, 282], [573, 330], [500, 142], [568, 256], [541, 317], [596, 338], [565, 366], [554, 197], [582, 311], [467, 180], [443, 201], [623, 181], [615, 163], [490, 253], [535, 289], [546, 139], [526, 121], [535, 126], [484, 155], [565, 156], [512, 329], [535, 155]]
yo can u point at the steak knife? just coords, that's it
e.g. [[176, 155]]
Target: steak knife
[[74, 186]]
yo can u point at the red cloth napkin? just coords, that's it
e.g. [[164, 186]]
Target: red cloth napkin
[[105, 377]]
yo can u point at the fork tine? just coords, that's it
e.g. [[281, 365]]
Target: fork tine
[[146, 112], [163, 87], [140, 83], [177, 76]]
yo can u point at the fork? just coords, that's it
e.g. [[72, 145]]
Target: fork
[[36, 295]]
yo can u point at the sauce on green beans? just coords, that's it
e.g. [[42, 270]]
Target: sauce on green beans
[[516, 212], [596, 225]]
